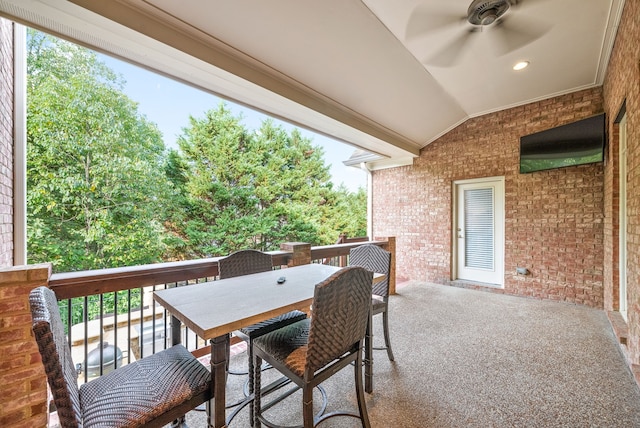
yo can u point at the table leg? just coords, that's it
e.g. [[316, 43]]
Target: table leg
[[219, 352], [176, 338], [176, 333], [368, 357]]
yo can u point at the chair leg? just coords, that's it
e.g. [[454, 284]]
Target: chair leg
[[255, 407], [178, 423], [307, 406], [362, 405], [387, 340], [252, 376]]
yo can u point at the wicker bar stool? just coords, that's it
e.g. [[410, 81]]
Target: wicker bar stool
[[246, 262], [150, 392], [376, 259], [310, 351]]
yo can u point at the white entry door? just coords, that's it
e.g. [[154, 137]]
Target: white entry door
[[479, 230]]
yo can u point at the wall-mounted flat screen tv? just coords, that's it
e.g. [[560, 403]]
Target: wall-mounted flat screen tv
[[576, 143]]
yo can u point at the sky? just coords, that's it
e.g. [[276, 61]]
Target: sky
[[169, 104]]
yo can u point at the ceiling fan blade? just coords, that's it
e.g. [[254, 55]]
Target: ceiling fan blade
[[511, 33], [518, 3], [449, 54], [423, 21]]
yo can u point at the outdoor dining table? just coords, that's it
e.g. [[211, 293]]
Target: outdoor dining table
[[213, 310]]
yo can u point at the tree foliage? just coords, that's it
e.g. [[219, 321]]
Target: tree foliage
[[95, 177], [349, 212], [103, 192], [245, 189]]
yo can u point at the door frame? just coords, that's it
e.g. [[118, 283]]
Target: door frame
[[499, 228], [623, 216]]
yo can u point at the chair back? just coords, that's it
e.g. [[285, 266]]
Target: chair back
[[375, 259], [244, 262], [56, 355], [341, 310]]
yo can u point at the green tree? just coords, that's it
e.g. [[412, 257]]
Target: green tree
[[102, 192], [95, 178], [349, 212], [247, 189]]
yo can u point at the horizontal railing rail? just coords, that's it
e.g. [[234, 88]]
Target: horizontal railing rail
[[85, 283], [82, 283], [344, 239]]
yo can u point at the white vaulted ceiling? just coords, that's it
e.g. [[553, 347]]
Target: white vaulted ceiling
[[388, 77]]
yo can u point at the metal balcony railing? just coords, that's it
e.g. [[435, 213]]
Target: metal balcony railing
[[111, 316]]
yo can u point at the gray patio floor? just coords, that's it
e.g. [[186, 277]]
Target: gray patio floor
[[468, 358]]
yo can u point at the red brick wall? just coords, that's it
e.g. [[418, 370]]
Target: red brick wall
[[24, 383], [6, 143], [622, 85], [553, 219]]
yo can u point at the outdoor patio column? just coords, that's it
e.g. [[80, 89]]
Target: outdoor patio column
[[21, 371], [300, 253]]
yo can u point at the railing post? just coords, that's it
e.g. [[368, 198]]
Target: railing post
[[300, 253], [342, 262], [390, 246], [24, 383]]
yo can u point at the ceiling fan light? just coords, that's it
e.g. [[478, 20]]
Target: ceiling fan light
[[486, 12], [489, 19], [521, 65]]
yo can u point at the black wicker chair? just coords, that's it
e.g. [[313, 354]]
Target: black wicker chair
[[150, 392], [376, 259], [246, 262], [310, 351]]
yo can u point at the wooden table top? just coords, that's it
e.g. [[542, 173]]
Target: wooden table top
[[215, 308]]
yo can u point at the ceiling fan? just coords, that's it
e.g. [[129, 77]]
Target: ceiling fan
[[505, 30]]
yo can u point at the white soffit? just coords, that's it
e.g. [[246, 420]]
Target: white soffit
[[64, 19], [336, 48]]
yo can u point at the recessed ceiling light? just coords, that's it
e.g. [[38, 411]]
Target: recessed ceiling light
[[521, 65]]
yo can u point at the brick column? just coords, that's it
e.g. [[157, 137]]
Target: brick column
[[390, 247], [300, 253], [24, 383]]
